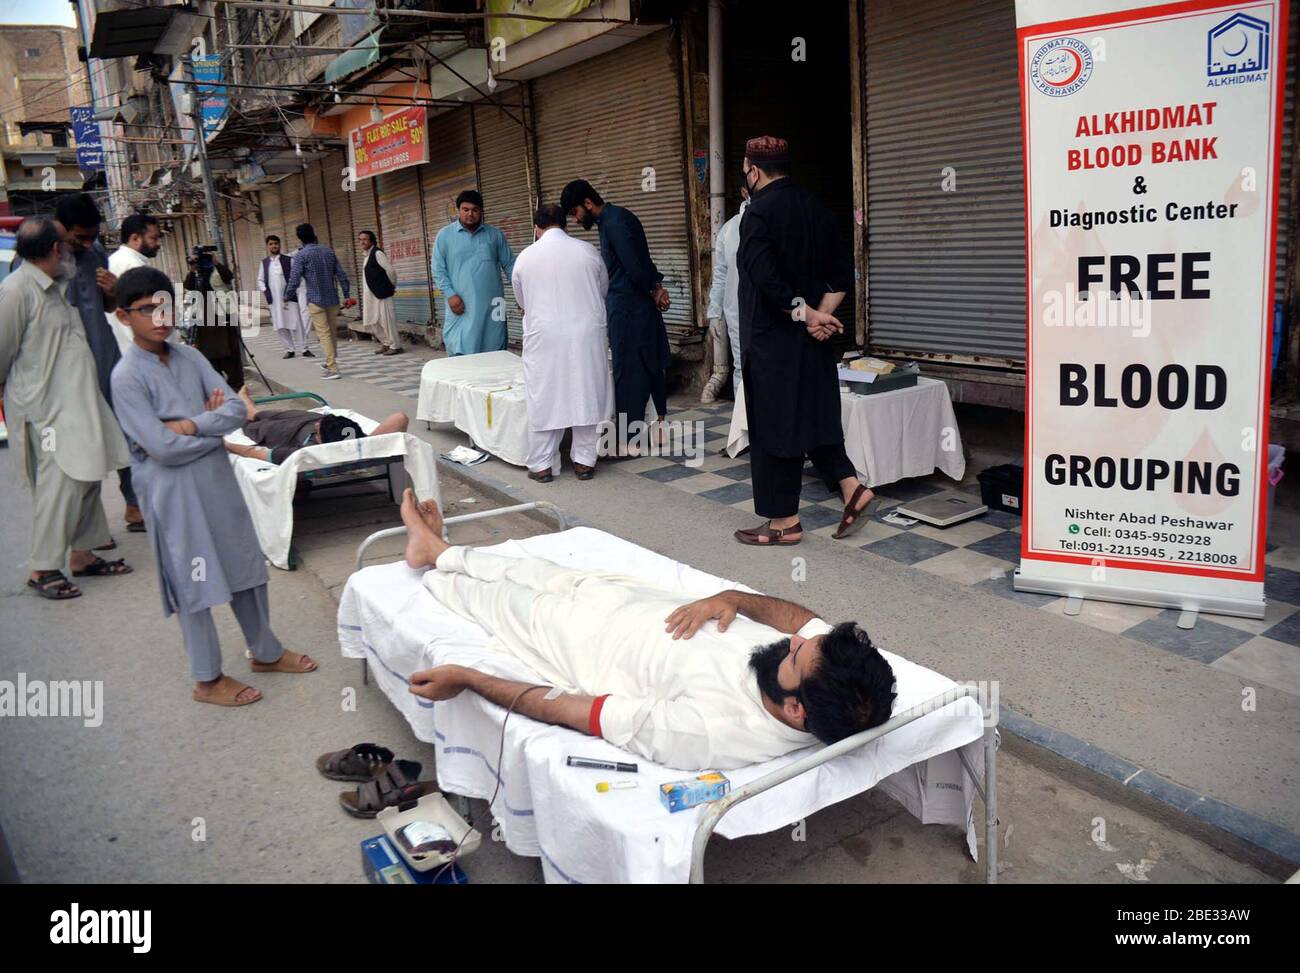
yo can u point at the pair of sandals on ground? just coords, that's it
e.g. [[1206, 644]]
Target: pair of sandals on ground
[[856, 514], [55, 585], [229, 691], [383, 781]]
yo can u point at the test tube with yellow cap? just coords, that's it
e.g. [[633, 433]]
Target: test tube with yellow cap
[[605, 786]]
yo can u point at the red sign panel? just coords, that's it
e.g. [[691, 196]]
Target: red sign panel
[[394, 143]]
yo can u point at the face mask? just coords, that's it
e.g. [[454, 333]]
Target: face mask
[[67, 263], [748, 185]]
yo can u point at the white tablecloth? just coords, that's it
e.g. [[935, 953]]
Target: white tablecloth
[[483, 395], [890, 435]]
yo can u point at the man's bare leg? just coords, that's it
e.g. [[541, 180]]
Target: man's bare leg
[[397, 422], [423, 522]]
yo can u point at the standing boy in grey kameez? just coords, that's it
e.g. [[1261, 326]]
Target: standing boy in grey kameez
[[175, 409]]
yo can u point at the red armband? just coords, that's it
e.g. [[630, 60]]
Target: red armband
[[593, 721]]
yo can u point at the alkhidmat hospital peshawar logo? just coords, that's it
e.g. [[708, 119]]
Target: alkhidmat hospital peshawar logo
[[1061, 66]]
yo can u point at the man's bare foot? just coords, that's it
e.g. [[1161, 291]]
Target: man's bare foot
[[250, 409], [224, 691], [289, 661], [423, 531]]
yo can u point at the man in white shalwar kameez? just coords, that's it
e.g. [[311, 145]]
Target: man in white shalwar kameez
[[560, 284], [289, 322], [379, 284]]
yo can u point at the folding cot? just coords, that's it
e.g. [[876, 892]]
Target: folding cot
[[269, 488], [936, 752]]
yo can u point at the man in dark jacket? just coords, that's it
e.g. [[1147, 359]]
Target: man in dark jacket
[[638, 341], [793, 275]]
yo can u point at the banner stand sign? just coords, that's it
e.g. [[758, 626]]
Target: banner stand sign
[[1153, 140]]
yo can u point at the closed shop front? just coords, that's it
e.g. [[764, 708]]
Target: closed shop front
[[449, 171], [294, 209], [399, 212], [272, 223], [506, 182], [318, 213], [615, 121], [946, 266], [248, 246], [338, 202]]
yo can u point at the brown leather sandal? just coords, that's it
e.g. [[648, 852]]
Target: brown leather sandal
[[282, 665], [395, 787], [361, 763], [774, 536], [853, 519]]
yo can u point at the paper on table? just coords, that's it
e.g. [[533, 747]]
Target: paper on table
[[852, 375]]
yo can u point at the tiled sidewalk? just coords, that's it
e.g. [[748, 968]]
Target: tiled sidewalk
[[985, 552], [356, 360]]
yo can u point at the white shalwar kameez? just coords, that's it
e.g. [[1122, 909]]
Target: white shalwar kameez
[[560, 283]]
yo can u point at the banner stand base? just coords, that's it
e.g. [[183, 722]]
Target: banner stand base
[[1190, 604]]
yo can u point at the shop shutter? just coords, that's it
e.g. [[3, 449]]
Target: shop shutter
[[450, 170], [294, 210], [614, 120], [946, 270], [342, 231], [506, 183], [399, 211], [271, 219], [318, 213]]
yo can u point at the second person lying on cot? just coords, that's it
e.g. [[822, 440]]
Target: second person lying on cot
[[279, 433]]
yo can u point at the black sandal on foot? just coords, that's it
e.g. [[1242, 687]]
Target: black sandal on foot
[[100, 568], [54, 586]]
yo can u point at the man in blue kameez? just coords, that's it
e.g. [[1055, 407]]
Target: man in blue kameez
[[469, 259], [638, 341], [175, 410]]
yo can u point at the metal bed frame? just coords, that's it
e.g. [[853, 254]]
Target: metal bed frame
[[987, 789]]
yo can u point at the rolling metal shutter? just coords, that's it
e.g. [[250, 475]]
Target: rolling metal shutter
[[272, 223], [450, 170], [293, 211], [946, 270], [249, 247], [318, 212], [506, 182], [615, 120], [399, 211], [342, 231]]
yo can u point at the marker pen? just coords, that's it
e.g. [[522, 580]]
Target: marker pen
[[589, 764]]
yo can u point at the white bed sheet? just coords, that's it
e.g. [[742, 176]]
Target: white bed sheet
[[268, 488], [483, 395], [548, 810]]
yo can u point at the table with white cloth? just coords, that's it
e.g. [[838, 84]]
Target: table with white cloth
[[483, 396], [889, 436]]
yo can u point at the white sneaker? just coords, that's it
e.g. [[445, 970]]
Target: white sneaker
[[324, 367], [330, 376]]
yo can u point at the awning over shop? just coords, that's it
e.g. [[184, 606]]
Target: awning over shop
[[362, 55]]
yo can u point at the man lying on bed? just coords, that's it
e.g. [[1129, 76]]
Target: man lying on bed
[[612, 650], [279, 433]]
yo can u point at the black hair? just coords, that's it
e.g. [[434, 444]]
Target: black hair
[[573, 195], [335, 429], [77, 209], [36, 237], [272, 237], [305, 233], [374, 240], [850, 690], [137, 223], [141, 282], [470, 196], [548, 215]]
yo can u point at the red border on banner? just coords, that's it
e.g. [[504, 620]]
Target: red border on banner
[[394, 140], [1147, 15]]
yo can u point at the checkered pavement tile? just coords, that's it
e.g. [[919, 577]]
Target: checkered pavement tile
[[730, 494], [1264, 660], [908, 548], [1206, 642], [666, 474], [1002, 587]]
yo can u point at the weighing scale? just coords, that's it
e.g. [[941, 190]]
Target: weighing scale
[[943, 510]]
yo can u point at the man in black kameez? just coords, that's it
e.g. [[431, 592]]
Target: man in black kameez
[[793, 275], [638, 341]]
